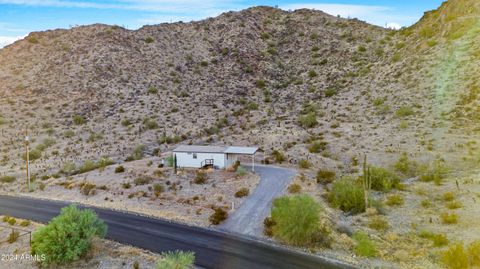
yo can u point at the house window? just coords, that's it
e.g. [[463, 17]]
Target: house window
[[194, 155]]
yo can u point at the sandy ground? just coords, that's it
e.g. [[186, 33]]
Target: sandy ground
[[105, 254], [180, 199]]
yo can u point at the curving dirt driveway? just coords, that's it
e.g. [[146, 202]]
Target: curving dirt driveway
[[248, 219]]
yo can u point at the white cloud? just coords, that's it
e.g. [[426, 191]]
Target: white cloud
[[7, 40]]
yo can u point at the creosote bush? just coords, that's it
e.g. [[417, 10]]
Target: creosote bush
[[297, 220], [67, 237], [347, 195], [325, 176], [364, 246], [176, 260], [395, 200]]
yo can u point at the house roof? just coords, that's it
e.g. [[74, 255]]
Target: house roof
[[216, 149], [199, 149], [241, 150]]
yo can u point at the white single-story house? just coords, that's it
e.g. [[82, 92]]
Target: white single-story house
[[190, 156]]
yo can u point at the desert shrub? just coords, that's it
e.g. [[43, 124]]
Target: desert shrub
[[405, 166], [449, 218], [79, 120], [12, 221], [436, 172], [68, 168], [325, 176], [426, 203], [126, 185], [33, 155], [7, 179], [455, 257], [308, 121], [438, 240], [312, 73], [268, 224], [347, 195], [219, 215], [137, 153], [395, 200], [5, 218], [13, 236], [67, 237], [149, 40], [143, 180], [119, 169], [241, 172], [278, 156], [152, 90], [404, 111], [297, 219], [242, 192], [200, 178], [378, 223], [104, 162], [304, 164], [448, 196], [87, 166], [87, 188], [150, 124], [364, 246], [294, 188], [473, 251], [25, 223], [382, 179], [176, 260], [136, 265], [317, 147], [126, 123], [329, 92], [158, 189]]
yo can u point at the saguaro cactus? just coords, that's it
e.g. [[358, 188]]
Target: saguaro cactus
[[367, 182]]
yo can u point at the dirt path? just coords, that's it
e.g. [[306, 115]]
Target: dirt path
[[248, 219]]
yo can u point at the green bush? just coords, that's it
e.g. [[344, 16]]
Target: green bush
[[378, 223], [308, 121], [395, 200], [347, 195], [296, 219], [382, 179], [33, 155], [278, 156], [241, 172], [455, 257], [137, 153], [79, 120], [364, 246], [150, 124], [87, 166], [404, 111], [438, 240], [176, 260], [13, 236], [304, 164], [325, 176], [67, 237], [7, 179]]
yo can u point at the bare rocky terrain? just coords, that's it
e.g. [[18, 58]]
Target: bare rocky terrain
[[315, 92]]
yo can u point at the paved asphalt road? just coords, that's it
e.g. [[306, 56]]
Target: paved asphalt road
[[248, 219], [213, 249]]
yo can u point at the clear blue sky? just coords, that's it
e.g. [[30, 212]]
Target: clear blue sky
[[19, 17]]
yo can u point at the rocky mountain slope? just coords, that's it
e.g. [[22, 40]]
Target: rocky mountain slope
[[300, 84]]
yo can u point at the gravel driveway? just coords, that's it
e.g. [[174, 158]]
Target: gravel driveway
[[248, 219]]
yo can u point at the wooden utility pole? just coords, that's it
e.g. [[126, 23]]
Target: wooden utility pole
[[27, 157]]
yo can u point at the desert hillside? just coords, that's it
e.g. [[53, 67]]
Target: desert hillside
[[303, 84]]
